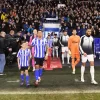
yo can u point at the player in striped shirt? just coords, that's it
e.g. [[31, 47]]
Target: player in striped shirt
[[23, 59], [49, 42], [39, 44]]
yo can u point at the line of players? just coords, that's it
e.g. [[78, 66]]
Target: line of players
[[74, 46], [57, 43]]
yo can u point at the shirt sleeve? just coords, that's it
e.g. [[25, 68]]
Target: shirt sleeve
[[33, 42], [69, 43], [18, 54], [29, 53], [93, 46], [30, 41], [81, 44], [46, 42]]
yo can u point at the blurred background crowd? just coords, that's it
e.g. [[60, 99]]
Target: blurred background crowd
[[27, 15]]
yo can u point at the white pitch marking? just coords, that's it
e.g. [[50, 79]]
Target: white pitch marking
[[13, 81], [76, 80], [51, 92]]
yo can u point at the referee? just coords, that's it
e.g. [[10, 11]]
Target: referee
[[39, 44]]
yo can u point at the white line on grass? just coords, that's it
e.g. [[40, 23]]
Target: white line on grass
[[16, 81], [51, 92]]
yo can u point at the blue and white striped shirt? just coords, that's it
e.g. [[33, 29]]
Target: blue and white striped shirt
[[49, 42], [39, 47], [24, 55]]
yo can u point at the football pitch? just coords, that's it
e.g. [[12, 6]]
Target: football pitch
[[58, 84]]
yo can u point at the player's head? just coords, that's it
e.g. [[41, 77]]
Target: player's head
[[74, 32], [35, 32], [88, 32], [23, 44], [55, 35], [39, 34], [3, 34], [65, 32], [48, 35]]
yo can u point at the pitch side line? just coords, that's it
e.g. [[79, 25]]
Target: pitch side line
[[52, 92]]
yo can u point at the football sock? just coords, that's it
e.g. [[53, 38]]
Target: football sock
[[22, 77], [82, 72], [68, 57], [92, 72], [36, 74], [63, 57], [40, 72], [27, 79]]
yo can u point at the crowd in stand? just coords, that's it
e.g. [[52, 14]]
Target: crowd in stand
[[27, 15]]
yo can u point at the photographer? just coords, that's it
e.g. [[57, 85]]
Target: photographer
[[2, 52]]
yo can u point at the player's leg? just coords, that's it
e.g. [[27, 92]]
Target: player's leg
[[92, 70], [33, 65], [73, 65], [41, 69], [77, 56], [21, 77], [63, 54], [49, 60], [68, 56], [36, 72], [56, 51], [84, 60], [75, 62], [53, 52], [27, 77]]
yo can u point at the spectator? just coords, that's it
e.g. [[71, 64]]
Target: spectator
[[30, 29], [74, 14], [2, 52]]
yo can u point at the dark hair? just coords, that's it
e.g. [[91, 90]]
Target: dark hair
[[88, 29], [39, 30], [23, 41], [73, 29], [65, 31]]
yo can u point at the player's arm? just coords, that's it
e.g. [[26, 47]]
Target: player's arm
[[93, 46], [69, 51], [18, 61], [30, 56], [80, 46], [47, 50], [33, 43], [60, 41], [69, 43]]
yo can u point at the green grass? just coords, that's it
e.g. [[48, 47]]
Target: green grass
[[59, 81], [56, 80], [51, 97]]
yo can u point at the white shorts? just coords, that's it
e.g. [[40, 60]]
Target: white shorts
[[64, 49], [88, 57], [55, 48]]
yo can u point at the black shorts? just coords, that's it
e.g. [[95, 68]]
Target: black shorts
[[39, 61], [24, 68]]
